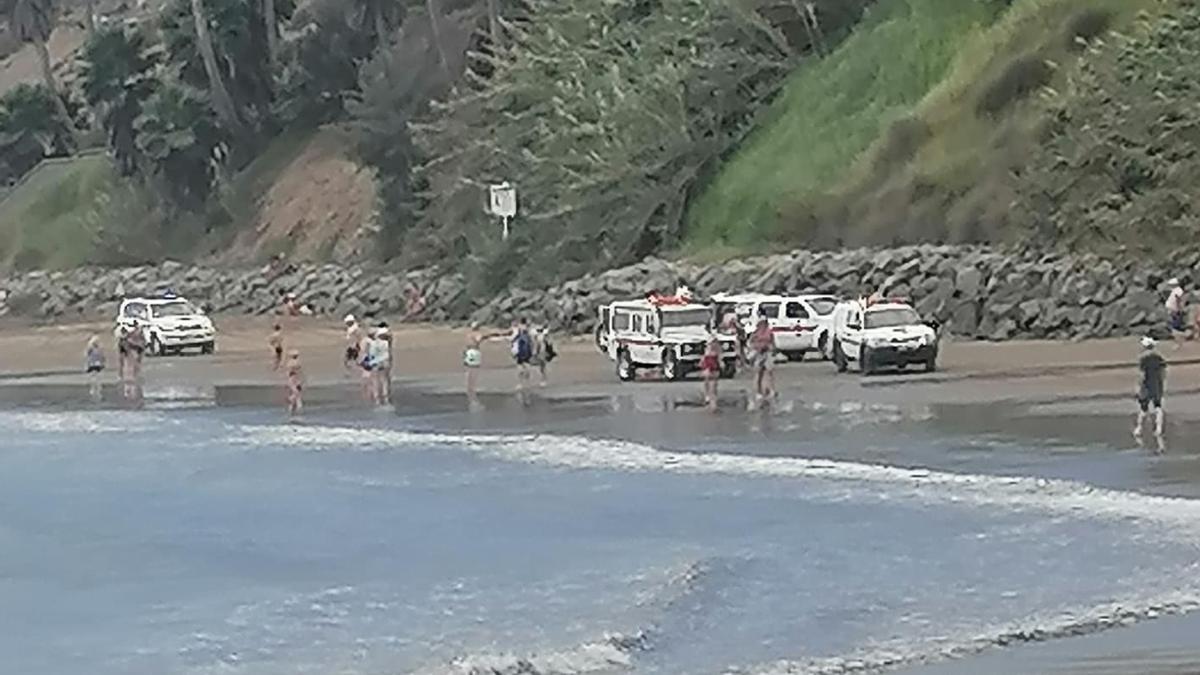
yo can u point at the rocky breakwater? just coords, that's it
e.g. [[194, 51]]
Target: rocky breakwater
[[975, 292], [90, 292]]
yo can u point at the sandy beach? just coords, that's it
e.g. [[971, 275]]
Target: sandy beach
[[1052, 411]]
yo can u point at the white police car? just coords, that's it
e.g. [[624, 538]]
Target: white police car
[[881, 334], [170, 324]]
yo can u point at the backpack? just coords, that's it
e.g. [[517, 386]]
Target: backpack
[[550, 351], [523, 346]]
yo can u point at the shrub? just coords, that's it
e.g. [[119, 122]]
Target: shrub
[[1021, 77]]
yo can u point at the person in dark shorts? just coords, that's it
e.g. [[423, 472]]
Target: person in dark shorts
[[275, 341], [522, 351], [1153, 371]]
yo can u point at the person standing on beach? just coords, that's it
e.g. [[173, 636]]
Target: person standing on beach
[[710, 366], [385, 375], [762, 346], [135, 347], [473, 359], [543, 352], [94, 362], [1151, 387], [1175, 307], [376, 364], [354, 343], [522, 351], [275, 341], [295, 384]]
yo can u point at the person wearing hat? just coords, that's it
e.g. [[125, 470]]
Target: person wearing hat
[[1153, 370], [1175, 312], [354, 341]]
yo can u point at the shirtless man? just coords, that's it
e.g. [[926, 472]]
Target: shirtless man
[[762, 350]]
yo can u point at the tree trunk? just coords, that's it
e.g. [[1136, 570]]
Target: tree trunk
[[52, 84], [221, 100], [436, 29], [89, 16], [272, 32], [494, 23]]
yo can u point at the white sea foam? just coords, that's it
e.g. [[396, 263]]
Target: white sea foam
[[75, 422], [922, 485], [612, 654]]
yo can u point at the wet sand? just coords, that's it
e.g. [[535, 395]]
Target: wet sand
[[1074, 392]]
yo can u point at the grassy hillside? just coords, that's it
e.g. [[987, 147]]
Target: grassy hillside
[[830, 112], [925, 151], [64, 214]]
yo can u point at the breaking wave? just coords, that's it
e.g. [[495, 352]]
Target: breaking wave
[[1055, 496], [611, 654], [1081, 622], [91, 422]]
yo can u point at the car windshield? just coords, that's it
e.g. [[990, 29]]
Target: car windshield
[[686, 317], [169, 309], [896, 316], [823, 306]]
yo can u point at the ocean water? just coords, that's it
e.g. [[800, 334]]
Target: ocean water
[[212, 541]]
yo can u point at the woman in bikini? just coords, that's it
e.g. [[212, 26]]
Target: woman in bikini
[[275, 341]]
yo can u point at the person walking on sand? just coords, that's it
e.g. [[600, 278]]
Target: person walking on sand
[[522, 351], [1152, 368], [275, 341], [295, 383], [94, 362], [1175, 306], [762, 348], [710, 366]]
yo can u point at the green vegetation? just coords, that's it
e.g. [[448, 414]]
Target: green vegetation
[[61, 215], [927, 151], [830, 112]]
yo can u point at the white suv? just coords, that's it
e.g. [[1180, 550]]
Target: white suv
[[801, 323], [880, 334], [662, 333], [169, 324]]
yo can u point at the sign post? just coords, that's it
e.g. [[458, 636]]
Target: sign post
[[502, 201]]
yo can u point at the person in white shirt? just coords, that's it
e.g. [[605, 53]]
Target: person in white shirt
[[1175, 307]]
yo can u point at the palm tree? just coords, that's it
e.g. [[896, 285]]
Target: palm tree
[[222, 102], [436, 29], [272, 28], [33, 22]]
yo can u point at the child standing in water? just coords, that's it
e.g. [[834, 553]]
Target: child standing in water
[[295, 383], [94, 362], [276, 344]]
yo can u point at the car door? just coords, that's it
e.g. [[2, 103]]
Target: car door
[[852, 335], [800, 324], [641, 341], [622, 322]]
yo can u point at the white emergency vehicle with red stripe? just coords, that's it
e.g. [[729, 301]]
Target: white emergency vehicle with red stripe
[[665, 333]]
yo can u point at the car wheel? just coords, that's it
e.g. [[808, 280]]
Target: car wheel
[[625, 368], [156, 348], [208, 347], [931, 364], [865, 362], [600, 337], [839, 358], [823, 347], [794, 357], [671, 369]]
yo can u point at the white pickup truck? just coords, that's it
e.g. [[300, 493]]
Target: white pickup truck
[[882, 334]]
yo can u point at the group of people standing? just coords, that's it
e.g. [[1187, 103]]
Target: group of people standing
[[530, 348], [756, 350], [131, 350], [369, 352]]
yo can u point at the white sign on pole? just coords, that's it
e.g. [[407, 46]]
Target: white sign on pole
[[502, 201]]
